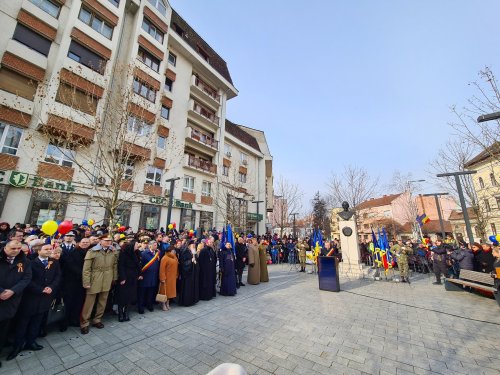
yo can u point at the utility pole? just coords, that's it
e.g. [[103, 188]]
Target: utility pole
[[462, 199], [257, 203], [294, 231], [438, 208], [171, 198]]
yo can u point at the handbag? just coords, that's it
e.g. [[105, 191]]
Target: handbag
[[56, 313], [161, 297]]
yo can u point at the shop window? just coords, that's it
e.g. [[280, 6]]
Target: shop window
[[188, 218], [122, 215], [206, 220], [10, 137], [150, 216], [46, 205], [17, 84]]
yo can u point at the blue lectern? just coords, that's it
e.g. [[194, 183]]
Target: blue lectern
[[328, 274]]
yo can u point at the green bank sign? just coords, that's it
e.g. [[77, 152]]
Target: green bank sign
[[26, 180], [177, 202]]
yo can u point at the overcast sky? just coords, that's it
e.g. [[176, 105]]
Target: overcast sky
[[336, 82]]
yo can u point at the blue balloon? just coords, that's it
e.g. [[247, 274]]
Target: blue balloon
[[493, 238], [85, 222]]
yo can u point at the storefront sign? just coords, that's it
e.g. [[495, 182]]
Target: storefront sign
[[254, 217], [177, 202], [26, 180]]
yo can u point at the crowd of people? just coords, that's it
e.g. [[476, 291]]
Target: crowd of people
[[74, 279]]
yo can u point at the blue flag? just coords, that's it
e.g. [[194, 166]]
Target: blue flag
[[230, 237]]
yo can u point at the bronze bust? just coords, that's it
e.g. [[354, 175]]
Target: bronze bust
[[346, 214]]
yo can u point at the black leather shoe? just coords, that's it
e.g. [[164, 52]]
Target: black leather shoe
[[84, 330], [151, 308], [43, 333], [13, 354], [98, 325], [34, 347], [241, 284]]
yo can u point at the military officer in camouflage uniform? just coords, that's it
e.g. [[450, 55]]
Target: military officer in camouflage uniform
[[301, 249], [402, 253]]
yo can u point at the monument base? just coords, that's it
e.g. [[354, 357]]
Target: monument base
[[352, 270]]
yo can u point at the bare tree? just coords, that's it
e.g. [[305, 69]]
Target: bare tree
[[354, 185], [288, 201], [451, 158]]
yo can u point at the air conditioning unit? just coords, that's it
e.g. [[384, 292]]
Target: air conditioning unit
[[245, 162], [228, 154], [100, 181]]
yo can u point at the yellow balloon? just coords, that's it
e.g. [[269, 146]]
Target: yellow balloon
[[118, 225], [49, 227], [497, 237], [170, 226], [91, 222]]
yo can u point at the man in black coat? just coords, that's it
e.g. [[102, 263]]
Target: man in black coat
[[439, 261], [206, 260], [15, 275], [241, 257], [73, 293], [36, 301]]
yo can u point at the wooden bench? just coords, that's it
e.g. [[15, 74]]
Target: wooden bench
[[473, 279]]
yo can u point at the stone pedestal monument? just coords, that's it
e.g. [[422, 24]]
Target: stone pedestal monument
[[351, 258]]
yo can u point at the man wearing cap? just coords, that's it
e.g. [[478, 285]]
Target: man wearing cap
[[100, 271], [69, 243]]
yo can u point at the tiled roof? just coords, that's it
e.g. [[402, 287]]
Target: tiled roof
[[494, 149], [377, 202], [194, 40], [432, 226], [236, 131], [458, 214]]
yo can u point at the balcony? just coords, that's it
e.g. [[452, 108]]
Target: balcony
[[205, 92], [202, 139], [201, 165], [203, 116]]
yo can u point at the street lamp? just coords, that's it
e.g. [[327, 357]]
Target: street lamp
[[489, 117], [171, 198], [462, 199], [257, 203], [294, 232], [438, 208]]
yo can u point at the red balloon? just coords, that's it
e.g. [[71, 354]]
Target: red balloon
[[65, 227], [122, 228], [173, 224]]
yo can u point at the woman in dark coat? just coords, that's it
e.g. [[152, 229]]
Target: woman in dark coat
[[129, 271], [228, 274], [188, 293]]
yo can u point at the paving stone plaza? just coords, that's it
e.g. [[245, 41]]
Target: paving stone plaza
[[288, 326]]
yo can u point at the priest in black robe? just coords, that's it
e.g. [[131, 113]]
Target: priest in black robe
[[188, 293], [228, 274], [206, 261]]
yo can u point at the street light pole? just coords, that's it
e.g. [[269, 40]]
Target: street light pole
[[489, 117], [171, 198], [462, 199], [257, 203], [294, 232], [438, 208]]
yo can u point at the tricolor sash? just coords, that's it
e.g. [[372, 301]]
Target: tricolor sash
[[150, 263]]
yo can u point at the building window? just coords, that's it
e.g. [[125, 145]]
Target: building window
[[162, 142], [188, 218], [493, 180], [225, 170], [172, 59], [76, 99], [188, 184], [32, 39], [481, 183], [168, 84], [493, 229], [227, 149], [116, 3], [206, 189], [243, 158], [86, 57], [160, 5], [48, 6], [138, 126], [206, 220], [17, 84], [150, 216], [179, 30], [148, 59], [10, 137], [144, 90], [46, 205], [60, 156], [165, 112], [487, 205], [151, 29], [203, 54], [242, 177], [153, 176], [128, 170], [95, 22]]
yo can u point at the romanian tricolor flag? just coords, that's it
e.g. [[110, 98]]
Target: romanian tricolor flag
[[422, 219]]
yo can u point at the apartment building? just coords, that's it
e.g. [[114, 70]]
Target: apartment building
[[72, 71]]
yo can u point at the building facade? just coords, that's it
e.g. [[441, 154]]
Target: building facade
[[81, 76]]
